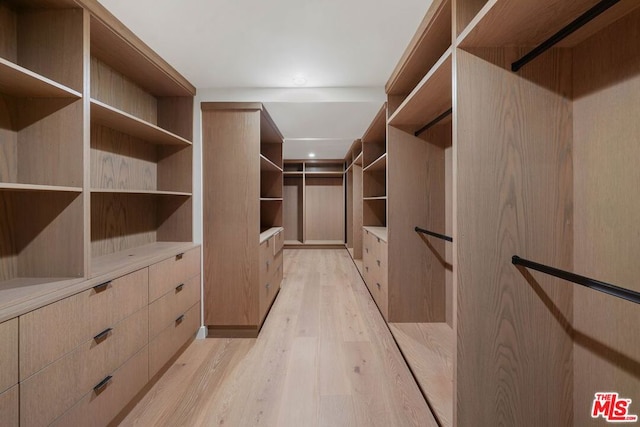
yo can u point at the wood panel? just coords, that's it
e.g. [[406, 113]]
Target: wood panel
[[606, 129], [8, 246], [374, 183], [357, 211], [324, 205], [293, 208], [348, 183], [514, 185], [120, 161], [175, 217], [50, 392], [465, 11], [50, 146], [374, 213], [116, 90], [8, 33], [175, 169], [271, 184], [122, 221], [98, 409], [54, 330], [50, 42], [448, 227], [416, 196], [49, 234], [175, 114], [10, 407], [8, 354], [229, 245]]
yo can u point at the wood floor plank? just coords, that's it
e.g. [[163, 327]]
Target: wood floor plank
[[343, 370]]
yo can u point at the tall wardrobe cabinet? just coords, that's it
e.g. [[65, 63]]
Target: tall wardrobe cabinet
[[243, 235]]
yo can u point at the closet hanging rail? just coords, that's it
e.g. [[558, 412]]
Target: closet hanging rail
[[564, 32], [431, 233], [597, 285], [433, 122]]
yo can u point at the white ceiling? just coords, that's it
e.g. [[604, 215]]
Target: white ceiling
[[265, 43]]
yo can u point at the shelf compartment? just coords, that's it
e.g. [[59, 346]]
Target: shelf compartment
[[272, 153], [374, 212], [430, 41], [429, 350], [291, 167], [380, 164], [104, 115], [270, 213], [121, 162], [19, 82], [268, 166], [380, 232], [38, 188], [501, 23], [124, 221], [41, 235], [139, 192], [324, 167], [268, 233], [48, 42], [431, 97]]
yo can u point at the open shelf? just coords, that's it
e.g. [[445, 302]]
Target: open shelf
[[139, 192], [380, 232], [267, 165], [501, 23], [429, 349], [431, 97], [40, 188], [380, 164], [19, 82], [430, 41], [121, 121]]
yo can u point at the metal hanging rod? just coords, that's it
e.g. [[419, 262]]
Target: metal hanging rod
[[433, 122], [597, 285], [564, 32], [431, 233]]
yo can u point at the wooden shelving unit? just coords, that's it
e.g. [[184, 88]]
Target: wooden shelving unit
[[243, 186], [314, 203], [374, 171]]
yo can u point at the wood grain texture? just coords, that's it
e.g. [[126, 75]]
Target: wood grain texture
[[349, 200], [606, 129], [514, 196], [374, 182], [285, 378], [175, 114], [324, 204], [8, 245], [8, 33], [270, 214], [416, 196], [50, 43], [50, 332], [170, 306], [114, 89], [357, 211], [448, 227], [374, 213], [465, 11], [271, 184], [50, 392], [431, 39], [429, 351], [230, 243], [99, 409], [10, 407], [293, 208], [8, 354], [164, 276], [175, 169]]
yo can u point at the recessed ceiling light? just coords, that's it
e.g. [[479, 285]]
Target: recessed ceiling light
[[299, 80], [312, 154]]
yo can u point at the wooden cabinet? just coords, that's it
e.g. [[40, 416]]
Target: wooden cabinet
[[353, 207], [314, 203], [243, 199], [165, 276], [374, 259], [10, 407], [270, 271], [8, 354], [173, 304]]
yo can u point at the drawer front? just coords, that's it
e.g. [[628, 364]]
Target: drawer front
[[9, 408], [165, 345], [168, 274], [166, 309], [98, 408], [52, 331], [8, 354], [49, 393], [279, 242], [266, 259]]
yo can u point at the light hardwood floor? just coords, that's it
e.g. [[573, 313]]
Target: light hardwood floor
[[324, 358]]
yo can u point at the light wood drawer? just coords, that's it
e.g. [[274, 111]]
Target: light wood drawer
[[9, 408], [165, 345], [99, 407], [47, 394], [269, 287], [8, 354], [266, 259], [171, 272], [279, 242], [166, 309], [52, 331]]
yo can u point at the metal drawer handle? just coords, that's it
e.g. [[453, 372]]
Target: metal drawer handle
[[102, 286], [268, 264], [366, 249], [180, 287], [378, 261], [102, 384], [179, 257], [268, 285], [378, 239], [366, 268], [179, 319], [102, 335], [378, 285]]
